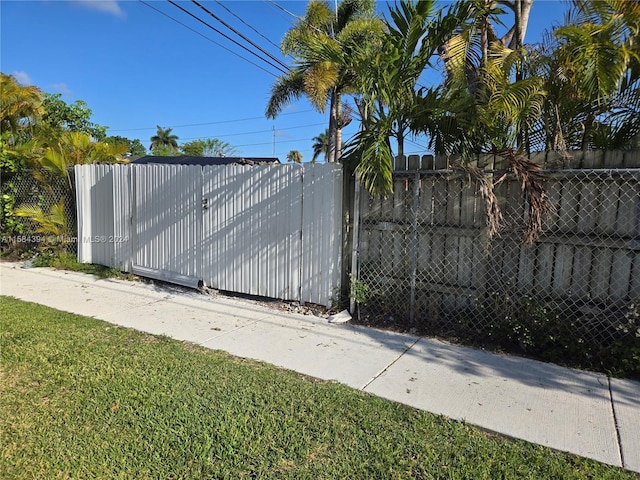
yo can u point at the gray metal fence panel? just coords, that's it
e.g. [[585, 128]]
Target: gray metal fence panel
[[167, 223], [103, 211], [252, 229], [321, 232], [272, 231]]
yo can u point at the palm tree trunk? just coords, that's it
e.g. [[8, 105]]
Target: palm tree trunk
[[332, 150]]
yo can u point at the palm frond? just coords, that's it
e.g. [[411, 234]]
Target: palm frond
[[287, 88]]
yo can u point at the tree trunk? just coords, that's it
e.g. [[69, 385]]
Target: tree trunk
[[514, 38], [332, 151], [400, 139]]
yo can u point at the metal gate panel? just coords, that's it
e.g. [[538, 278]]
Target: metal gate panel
[[167, 223], [104, 215], [252, 229], [321, 232]]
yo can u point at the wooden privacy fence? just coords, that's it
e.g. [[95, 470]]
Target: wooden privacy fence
[[424, 258], [273, 231]]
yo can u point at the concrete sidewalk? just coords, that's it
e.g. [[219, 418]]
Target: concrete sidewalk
[[579, 412]]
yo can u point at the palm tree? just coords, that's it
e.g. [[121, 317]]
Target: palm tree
[[20, 105], [164, 138], [320, 145], [318, 78], [591, 69], [387, 73], [294, 156]]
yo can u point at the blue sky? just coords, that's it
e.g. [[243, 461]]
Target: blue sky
[[137, 68]]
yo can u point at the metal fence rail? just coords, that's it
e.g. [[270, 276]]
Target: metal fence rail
[[426, 262]]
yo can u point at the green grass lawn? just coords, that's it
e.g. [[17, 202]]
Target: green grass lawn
[[81, 398]]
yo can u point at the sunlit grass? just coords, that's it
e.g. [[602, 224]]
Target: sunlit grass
[[84, 399]]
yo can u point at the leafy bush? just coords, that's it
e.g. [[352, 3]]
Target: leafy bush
[[605, 339]]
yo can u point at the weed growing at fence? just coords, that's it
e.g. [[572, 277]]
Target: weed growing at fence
[[67, 261], [84, 399]]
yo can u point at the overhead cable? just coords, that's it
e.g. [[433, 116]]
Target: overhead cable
[[277, 67], [245, 38], [245, 23], [207, 123], [207, 38], [224, 135], [285, 10]]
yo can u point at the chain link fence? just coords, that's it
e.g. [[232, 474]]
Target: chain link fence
[[427, 262], [52, 198]]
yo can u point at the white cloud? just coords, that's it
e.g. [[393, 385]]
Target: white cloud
[[106, 6], [22, 78], [61, 88]]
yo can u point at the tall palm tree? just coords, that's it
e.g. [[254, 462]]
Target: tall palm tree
[[164, 138], [318, 78], [320, 145]]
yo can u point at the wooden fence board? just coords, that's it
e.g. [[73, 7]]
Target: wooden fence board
[[568, 206], [401, 204], [621, 264], [440, 201], [554, 189], [628, 207], [454, 197], [425, 255], [510, 261], [601, 273], [465, 261], [608, 208], [451, 260], [526, 268], [581, 272], [544, 268], [425, 212], [437, 264], [562, 269], [634, 283], [469, 196], [588, 207], [386, 208]]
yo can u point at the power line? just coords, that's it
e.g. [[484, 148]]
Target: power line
[[277, 67], [267, 143], [209, 39], [224, 135], [276, 10], [245, 23], [245, 38], [285, 10], [206, 123]]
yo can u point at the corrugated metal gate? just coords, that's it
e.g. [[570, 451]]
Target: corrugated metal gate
[[272, 231], [253, 229], [166, 229]]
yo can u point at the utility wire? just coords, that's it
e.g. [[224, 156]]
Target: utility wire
[[224, 135], [208, 123], [245, 38], [245, 23], [207, 38], [277, 67], [285, 10]]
